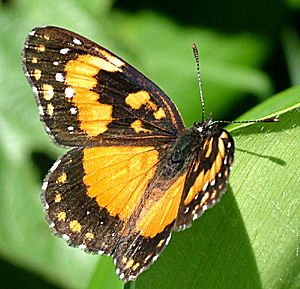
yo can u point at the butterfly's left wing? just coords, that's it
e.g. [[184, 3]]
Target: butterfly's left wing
[[114, 200], [207, 178], [88, 96]]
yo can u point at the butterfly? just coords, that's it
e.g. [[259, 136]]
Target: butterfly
[[134, 172]]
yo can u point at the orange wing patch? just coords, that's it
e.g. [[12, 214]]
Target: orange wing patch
[[118, 176], [137, 126], [159, 114], [94, 116], [112, 59], [208, 147], [50, 109], [137, 99], [62, 179], [48, 91], [75, 226], [36, 74], [205, 177], [157, 215]]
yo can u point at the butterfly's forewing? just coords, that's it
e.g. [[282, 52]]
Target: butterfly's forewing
[[207, 177], [88, 96]]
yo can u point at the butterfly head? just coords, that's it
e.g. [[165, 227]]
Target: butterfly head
[[205, 127]]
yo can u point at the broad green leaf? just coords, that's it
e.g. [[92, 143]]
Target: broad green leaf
[[104, 276], [251, 238]]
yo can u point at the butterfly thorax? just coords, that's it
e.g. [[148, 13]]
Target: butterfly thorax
[[182, 152]]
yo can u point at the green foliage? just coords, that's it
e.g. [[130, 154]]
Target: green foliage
[[249, 240]]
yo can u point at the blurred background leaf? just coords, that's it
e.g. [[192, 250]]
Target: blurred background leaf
[[248, 51]]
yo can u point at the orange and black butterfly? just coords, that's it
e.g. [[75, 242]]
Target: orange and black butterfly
[[134, 172]]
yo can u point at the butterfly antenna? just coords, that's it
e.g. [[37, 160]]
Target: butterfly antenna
[[276, 119], [199, 79]]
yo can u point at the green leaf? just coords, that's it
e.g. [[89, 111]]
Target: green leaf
[[104, 276], [251, 238]]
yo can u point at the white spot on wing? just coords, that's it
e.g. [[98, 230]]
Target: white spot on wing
[[122, 276], [35, 90], [82, 246], [73, 110], [212, 182], [100, 252], [168, 239], [59, 77], [131, 278], [66, 237], [31, 33], [41, 110], [55, 63], [69, 92], [44, 186], [55, 166], [64, 50], [229, 145], [205, 186], [71, 127], [77, 41], [117, 271]]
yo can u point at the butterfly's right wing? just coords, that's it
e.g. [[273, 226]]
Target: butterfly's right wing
[[207, 178]]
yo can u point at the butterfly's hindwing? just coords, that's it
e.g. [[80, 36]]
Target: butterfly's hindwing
[[86, 95], [72, 214], [207, 177], [136, 253], [114, 200]]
